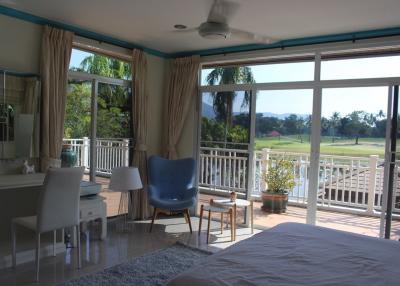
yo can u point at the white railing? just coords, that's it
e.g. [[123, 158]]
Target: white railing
[[110, 153], [223, 169], [345, 182]]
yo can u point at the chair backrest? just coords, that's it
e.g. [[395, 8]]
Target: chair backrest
[[59, 200], [172, 177]]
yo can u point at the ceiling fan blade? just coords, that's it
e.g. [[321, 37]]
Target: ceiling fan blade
[[248, 36], [222, 11]]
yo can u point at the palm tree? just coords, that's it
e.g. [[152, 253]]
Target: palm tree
[[335, 122], [105, 66], [223, 101]]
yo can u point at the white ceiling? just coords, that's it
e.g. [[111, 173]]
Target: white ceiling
[[150, 22]]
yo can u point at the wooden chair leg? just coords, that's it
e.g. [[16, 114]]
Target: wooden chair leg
[[208, 226], [152, 220], [231, 221], [188, 219], [201, 218], [222, 223], [37, 254]]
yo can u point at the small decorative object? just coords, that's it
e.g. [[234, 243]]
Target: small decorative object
[[280, 181], [28, 169], [68, 156], [233, 196]]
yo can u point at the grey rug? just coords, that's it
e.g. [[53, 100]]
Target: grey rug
[[156, 268]]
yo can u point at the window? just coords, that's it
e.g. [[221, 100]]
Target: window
[[88, 62], [260, 73], [367, 67]]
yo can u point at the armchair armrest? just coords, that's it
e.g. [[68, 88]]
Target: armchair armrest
[[190, 193]]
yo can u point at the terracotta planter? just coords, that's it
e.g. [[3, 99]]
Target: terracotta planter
[[274, 203]]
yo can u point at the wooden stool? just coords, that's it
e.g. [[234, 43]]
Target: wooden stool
[[210, 209]]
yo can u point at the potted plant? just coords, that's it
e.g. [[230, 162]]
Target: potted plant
[[279, 180]]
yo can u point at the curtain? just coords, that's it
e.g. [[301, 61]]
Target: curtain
[[31, 106], [55, 55], [182, 87], [140, 205]]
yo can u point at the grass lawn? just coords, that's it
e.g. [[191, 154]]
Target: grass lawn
[[345, 147]]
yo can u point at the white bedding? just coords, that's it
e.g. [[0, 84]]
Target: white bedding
[[298, 254]]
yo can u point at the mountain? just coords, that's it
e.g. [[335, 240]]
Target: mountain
[[283, 115], [208, 111]]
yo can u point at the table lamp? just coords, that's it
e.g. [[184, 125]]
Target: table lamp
[[124, 180]]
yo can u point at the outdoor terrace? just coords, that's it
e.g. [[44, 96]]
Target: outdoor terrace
[[346, 183]]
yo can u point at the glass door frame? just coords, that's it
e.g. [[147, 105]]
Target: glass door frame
[[95, 80], [317, 85]]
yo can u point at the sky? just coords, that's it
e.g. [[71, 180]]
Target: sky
[[77, 57], [342, 100]]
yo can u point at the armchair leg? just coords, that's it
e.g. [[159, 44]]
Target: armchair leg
[[201, 218], [186, 211], [154, 217]]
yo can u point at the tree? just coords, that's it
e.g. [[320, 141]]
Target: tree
[[334, 123], [113, 101], [223, 101], [357, 124]]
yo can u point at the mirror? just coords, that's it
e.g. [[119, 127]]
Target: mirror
[[19, 116]]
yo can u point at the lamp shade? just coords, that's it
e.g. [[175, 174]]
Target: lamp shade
[[125, 179]]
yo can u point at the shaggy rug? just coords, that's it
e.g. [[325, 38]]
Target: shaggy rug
[[155, 268]]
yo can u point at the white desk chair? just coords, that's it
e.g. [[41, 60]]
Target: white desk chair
[[58, 208]]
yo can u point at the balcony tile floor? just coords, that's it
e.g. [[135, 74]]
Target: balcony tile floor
[[341, 221]]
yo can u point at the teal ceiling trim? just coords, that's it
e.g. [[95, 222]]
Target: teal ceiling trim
[[395, 31], [79, 31], [296, 42]]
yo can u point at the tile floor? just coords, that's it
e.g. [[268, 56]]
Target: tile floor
[[119, 246]]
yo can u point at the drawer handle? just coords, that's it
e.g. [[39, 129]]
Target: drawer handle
[[90, 213]]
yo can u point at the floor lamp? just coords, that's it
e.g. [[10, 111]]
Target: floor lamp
[[124, 180]]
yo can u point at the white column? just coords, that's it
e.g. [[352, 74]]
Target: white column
[[264, 167], [125, 146], [373, 159], [315, 146], [85, 152]]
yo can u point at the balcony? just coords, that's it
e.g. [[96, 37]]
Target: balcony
[[345, 188]]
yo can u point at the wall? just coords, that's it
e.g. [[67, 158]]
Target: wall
[[20, 45]]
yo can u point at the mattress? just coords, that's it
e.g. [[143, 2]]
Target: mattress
[[298, 254]]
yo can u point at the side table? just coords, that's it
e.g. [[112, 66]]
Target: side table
[[227, 203]]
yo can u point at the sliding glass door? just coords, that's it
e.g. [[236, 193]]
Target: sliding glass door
[[224, 144]]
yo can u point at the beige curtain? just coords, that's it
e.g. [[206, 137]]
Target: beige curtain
[[140, 204], [31, 106], [55, 56], [182, 88]]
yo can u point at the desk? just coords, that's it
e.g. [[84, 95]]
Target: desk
[[19, 196]]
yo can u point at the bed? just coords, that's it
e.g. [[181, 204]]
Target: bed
[[298, 254]]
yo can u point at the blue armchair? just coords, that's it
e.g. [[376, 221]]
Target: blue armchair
[[171, 186]]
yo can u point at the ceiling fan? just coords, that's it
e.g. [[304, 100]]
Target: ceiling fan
[[217, 25]]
